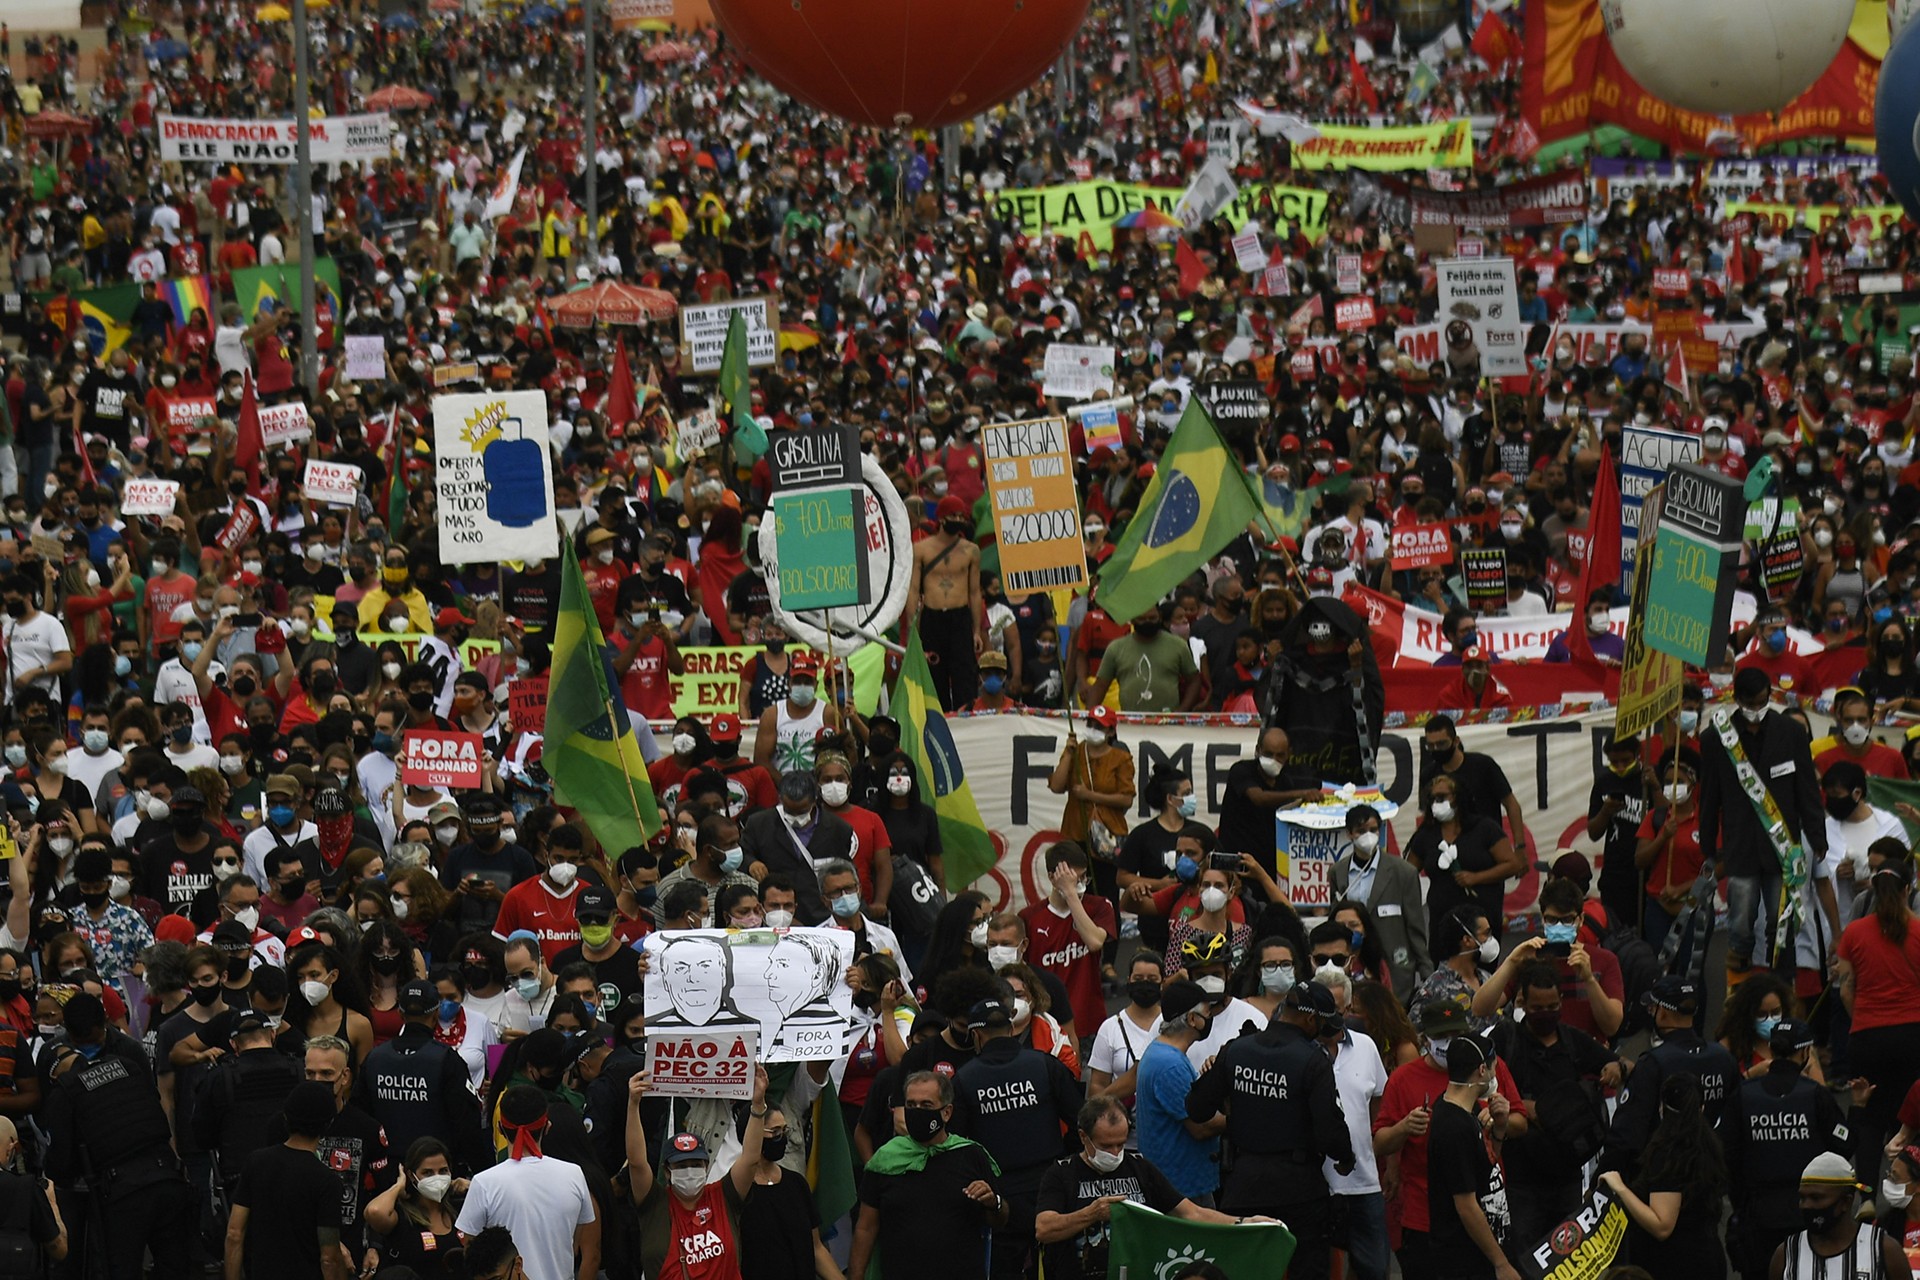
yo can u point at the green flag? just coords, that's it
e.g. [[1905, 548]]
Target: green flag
[[280, 282], [1168, 12], [594, 760], [1198, 501], [943, 777], [736, 388], [1146, 1245], [397, 487], [1885, 793]]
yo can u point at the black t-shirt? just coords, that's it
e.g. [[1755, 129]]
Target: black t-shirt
[[171, 877], [290, 1197], [106, 398], [1072, 1184], [1219, 638], [533, 597], [1458, 1163], [1623, 829], [637, 591], [618, 976], [935, 1054], [747, 595], [776, 1230], [1246, 827], [1148, 848], [186, 1081], [927, 1225], [1481, 782]]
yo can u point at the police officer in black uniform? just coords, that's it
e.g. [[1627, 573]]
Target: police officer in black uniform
[[1021, 1105], [1284, 1123], [1674, 1000], [1774, 1124], [107, 1129], [416, 1087], [243, 1096]]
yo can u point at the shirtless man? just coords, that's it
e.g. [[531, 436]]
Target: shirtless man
[[946, 580]]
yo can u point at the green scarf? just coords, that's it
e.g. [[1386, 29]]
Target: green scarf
[[904, 1155]]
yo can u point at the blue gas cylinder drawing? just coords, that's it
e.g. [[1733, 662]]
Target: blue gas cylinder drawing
[[516, 482]]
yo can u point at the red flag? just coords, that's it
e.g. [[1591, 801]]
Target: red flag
[[1361, 85], [249, 444], [1816, 266], [1192, 270], [1495, 42], [1737, 263], [1602, 569], [1306, 311], [86, 463], [620, 407], [1674, 371]]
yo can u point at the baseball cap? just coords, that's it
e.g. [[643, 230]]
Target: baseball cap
[[1572, 865], [188, 798], [1791, 1036], [1181, 998], [993, 660], [1313, 997], [804, 663], [419, 996], [988, 1013], [1673, 992], [451, 617], [686, 1148], [249, 1020], [1444, 1017], [445, 811], [725, 728], [281, 784], [232, 931], [1103, 716], [594, 901]]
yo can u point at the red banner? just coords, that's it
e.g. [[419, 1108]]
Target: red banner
[[1353, 313], [1671, 282], [1572, 81], [1417, 546], [1530, 202], [438, 758]]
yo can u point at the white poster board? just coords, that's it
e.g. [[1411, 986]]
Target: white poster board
[[703, 1064], [1482, 294], [1212, 189], [493, 477], [336, 484], [699, 430], [788, 985], [1077, 372], [366, 357], [703, 333], [284, 424], [149, 497]]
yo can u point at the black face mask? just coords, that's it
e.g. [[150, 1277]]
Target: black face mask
[[237, 967], [865, 1000], [261, 734], [323, 684], [242, 686], [476, 976], [185, 824], [1143, 994], [94, 901], [17, 608], [421, 700], [880, 745], [1205, 1031], [773, 1150], [385, 966], [1819, 1221], [9, 988], [922, 1125], [1841, 809], [204, 996]]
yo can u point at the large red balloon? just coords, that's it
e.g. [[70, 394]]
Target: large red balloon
[[917, 63]]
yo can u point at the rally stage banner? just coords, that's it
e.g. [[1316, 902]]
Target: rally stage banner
[[1089, 209], [788, 986], [1445, 144], [234, 141]]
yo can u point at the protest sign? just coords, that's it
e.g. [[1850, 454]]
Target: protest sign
[[493, 476], [815, 457], [1444, 144], [1036, 509], [1646, 455], [1247, 253], [1671, 282], [1782, 560], [1077, 372], [149, 497], [697, 433], [184, 413], [366, 357], [238, 141], [1212, 189], [1690, 601], [1238, 406], [527, 704], [1346, 273], [1485, 570], [703, 333], [1416, 546], [240, 526], [445, 375], [789, 986], [1100, 428], [1305, 860], [627, 15], [1581, 1248], [1086, 211], [283, 424], [1649, 679], [703, 1064], [821, 537], [440, 758], [1550, 198], [1351, 314], [333, 483], [1481, 299]]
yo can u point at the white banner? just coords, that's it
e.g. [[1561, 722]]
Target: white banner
[[1550, 764], [149, 497], [337, 484], [1211, 190], [1075, 372], [789, 986], [493, 475], [1482, 294], [703, 333], [1247, 253], [234, 141], [366, 357], [283, 424]]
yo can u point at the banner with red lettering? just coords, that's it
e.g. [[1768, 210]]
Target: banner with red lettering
[[527, 704], [440, 758]]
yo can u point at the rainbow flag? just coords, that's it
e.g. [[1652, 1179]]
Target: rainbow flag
[[186, 296]]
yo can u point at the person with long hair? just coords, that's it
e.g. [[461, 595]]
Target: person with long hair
[[1363, 931], [1753, 1009], [1380, 1014], [385, 961], [424, 1200], [1267, 972], [1889, 679], [421, 906], [325, 999], [721, 561], [1673, 1203], [959, 941], [1878, 974]]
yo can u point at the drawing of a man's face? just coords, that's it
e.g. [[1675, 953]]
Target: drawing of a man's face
[[790, 977], [695, 973]]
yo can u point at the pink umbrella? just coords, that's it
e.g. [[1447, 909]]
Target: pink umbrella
[[611, 302], [398, 97]]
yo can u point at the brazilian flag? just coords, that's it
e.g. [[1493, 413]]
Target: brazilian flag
[[736, 388], [1198, 501], [924, 737], [1168, 12], [590, 751]]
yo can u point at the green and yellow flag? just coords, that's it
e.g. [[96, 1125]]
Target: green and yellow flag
[[590, 751], [1198, 501], [924, 737], [736, 388]]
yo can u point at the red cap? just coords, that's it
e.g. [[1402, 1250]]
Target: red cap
[[174, 929], [1145, 470], [1321, 446], [248, 579], [803, 664], [1101, 456], [1319, 576], [1103, 716], [1126, 291], [451, 617], [725, 728], [1500, 477], [304, 933], [1051, 322], [951, 506], [1472, 653], [1289, 441]]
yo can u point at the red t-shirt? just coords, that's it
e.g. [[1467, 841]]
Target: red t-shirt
[[870, 836], [1421, 1084], [533, 905], [603, 588], [1680, 865], [164, 595], [1881, 761], [1886, 976], [647, 685], [273, 370], [1788, 672], [701, 1238], [1055, 945]]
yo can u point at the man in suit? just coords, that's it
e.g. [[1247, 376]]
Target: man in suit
[[793, 837], [1390, 888]]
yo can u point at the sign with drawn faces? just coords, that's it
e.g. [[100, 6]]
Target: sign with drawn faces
[[790, 984]]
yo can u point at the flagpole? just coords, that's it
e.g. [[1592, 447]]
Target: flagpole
[[590, 144], [303, 200]]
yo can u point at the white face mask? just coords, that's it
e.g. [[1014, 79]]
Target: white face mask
[[247, 917], [391, 670], [1213, 898], [833, 794], [1366, 842], [1022, 1009], [1443, 811], [1856, 734], [1001, 957], [446, 833], [1895, 1192], [978, 936], [1676, 792], [899, 784], [1105, 1161], [1489, 950], [400, 908], [434, 1186], [562, 873], [233, 765], [315, 992], [119, 887], [683, 744], [1211, 985], [688, 1179], [1095, 737], [604, 555], [1270, 766], [779, 919], [1754, 715]]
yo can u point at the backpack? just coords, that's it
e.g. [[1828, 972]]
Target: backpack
[[1639, 970], [1570, 1112]]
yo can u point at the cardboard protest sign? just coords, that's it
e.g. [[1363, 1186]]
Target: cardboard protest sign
[[1346, 272], [366, 357], [1351, 314], [334, 483], [1100, 428], [1416, 546], [527, 704], [440, 758], [149, 497], [1481, 297], [1036, 509], [284, 424], [788, 985], [703, 333], [821, 536], [703, 1064], [493, 476], [1075, 371], [1485, 569], [697, 432]]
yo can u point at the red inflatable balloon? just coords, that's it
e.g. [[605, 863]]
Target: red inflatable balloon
[[914, 63]]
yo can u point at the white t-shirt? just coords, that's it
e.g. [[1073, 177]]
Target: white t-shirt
[[1361, 1077], [90, 771], [260, 842], [31, 644], [174, 683], [271, 250], [540, 1200], [1228, 1025], [230, 348], [1118, 1044], [197, 756]]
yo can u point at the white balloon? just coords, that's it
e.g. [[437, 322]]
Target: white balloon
[[1727, 57]]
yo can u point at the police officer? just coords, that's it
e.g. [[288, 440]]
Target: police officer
[[1017, 1103], [1774, 1125], [416, 1087], [1284, 1122], [1680, 1051], [106, 1126], [244, 1096]]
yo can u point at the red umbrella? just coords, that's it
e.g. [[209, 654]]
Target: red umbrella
[[610, 302], [398, 97], [58, 124]]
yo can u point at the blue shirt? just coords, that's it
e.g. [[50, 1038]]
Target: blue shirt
[[1160, 1109]]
